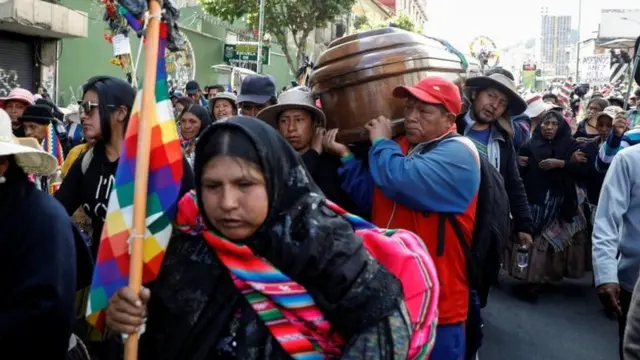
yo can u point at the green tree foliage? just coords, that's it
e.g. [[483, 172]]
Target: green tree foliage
[[401, 21], [284, 20]]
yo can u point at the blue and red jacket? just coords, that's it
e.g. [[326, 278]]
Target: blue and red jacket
[[408, 190]]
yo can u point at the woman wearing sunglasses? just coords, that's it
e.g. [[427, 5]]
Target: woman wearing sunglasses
[[104, 112]]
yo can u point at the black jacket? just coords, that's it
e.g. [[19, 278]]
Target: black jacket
[[37, 274], [324, 171], [522, 221]]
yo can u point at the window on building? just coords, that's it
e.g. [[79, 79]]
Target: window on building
[[340, 30]]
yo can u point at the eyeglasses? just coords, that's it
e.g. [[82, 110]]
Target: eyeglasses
[[87, 107]]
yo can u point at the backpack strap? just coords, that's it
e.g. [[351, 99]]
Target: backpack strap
[[86, 160], [431, 145], [472, 271]]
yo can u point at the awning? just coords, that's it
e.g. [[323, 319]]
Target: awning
[[619, 44]]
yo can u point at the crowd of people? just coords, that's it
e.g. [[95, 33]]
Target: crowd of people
[[486, 179]]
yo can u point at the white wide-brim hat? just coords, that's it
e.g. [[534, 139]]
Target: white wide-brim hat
[[28, 153], [536, 106]]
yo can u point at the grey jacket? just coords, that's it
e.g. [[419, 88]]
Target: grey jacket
[[631, 345], [616, 228]]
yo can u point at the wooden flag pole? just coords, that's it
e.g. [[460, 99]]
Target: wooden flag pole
[[143, 149]]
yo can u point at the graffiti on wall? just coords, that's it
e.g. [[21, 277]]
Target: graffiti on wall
[[181, 66], [8, 81], [48, 80]]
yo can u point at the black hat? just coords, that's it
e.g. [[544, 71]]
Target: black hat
[[40, 114], [192, 87], [257, 89]]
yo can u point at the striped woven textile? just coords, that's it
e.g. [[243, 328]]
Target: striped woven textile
[[285, 307]]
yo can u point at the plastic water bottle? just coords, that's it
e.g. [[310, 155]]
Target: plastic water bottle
[[522, 257]]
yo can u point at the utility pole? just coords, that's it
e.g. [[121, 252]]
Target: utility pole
[[260, 36], [578, 44]]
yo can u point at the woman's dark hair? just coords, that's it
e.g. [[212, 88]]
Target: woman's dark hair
[[599, 102], [555, 114], [185, 101], [14, 173], [217, 87], [201, 113], [225, 142], [112, 94], [564, 129], [231, 142]]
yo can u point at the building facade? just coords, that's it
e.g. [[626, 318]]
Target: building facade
[[205, 38], [30, 38], [415, 9], [555, 43]]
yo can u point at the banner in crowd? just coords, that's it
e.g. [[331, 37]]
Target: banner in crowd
[[595, 69]]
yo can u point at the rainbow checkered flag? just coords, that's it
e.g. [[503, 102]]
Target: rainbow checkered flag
[[165, 174], [565, 93]]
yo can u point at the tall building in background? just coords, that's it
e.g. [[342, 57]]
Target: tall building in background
[[555, 43]]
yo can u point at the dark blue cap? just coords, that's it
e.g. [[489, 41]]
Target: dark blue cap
[[192, 87], [257, 89]]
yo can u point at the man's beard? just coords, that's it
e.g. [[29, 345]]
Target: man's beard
[[477, 118]]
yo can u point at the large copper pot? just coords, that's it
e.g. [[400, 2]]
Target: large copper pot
[[355, 76]]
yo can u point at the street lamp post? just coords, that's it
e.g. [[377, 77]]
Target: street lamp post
[[260, 36], [578, 44]]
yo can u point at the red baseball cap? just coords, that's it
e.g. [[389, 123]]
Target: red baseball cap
[[433, 90]]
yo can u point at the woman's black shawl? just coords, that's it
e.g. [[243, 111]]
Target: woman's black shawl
[[194, 297], [559, 182]]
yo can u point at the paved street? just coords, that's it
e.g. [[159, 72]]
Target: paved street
[[566, 324]]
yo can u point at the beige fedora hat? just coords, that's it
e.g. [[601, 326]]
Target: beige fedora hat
[[507, 86], [299, 97], [28, 153]]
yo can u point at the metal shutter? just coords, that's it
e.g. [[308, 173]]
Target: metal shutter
[[17, 63]]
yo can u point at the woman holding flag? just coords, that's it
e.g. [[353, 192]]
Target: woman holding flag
[[256, 219], [105, 111], [254, 196]]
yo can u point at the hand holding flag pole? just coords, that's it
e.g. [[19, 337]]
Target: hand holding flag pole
[[145, 192], [142, 160]]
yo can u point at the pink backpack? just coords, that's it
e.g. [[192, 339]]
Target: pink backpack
[[405, 255]]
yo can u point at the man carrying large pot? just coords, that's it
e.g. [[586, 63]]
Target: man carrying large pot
[[415, 181]]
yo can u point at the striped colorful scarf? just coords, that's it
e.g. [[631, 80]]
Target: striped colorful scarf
[[52, 145], [286, 308]]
